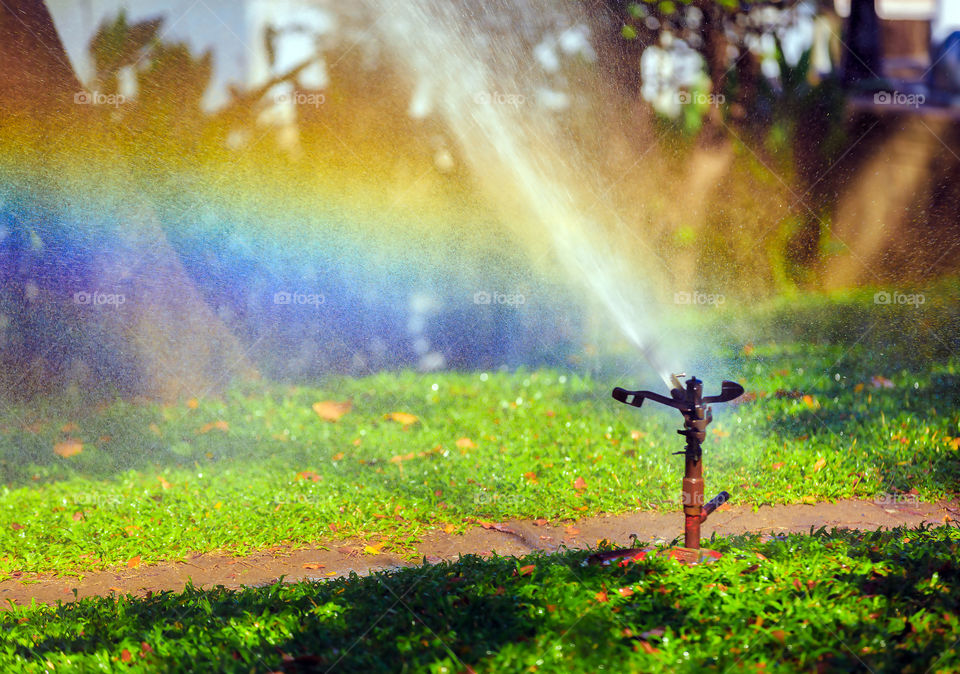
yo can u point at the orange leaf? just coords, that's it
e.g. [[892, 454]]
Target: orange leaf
[[163, 483], [68, 448], [601, 596], [571, 531], [308, 475], [531, 476], [220, 425], [466, 443], [647, 648], [373, 549], [402, 418], [125, 655], [778, 465], [810, 401], [330, 410], [313, 565], [625, 591], [337, 457], [527, 570], [539, 522], [193, 403], [858, 388], [821, 462], [69, 428], [133, 562], [579, 484], [779, 635], [449, 529], [636, 435]]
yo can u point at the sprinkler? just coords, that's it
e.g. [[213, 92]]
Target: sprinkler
[[688, 398]]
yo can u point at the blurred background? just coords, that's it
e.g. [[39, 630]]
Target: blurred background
[[198, 192]]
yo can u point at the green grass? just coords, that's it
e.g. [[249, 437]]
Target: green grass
[[148, 482], [830, 601]]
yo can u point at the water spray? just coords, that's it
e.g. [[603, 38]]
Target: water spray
[[695, 408]]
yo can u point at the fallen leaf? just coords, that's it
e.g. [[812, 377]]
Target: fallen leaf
[[307, 475], [125, 655], [133, 562], [68, 448], [858, 388], [625, 591], [373, 549], [647, 648], [449, 529], [402, 418], [636, 435], [810, 401], [114, 588], [69, 428], [313, 565], [579, 484], [337, 457], [571, 531], [880, 382], [601, 596], [540, 522], [331, 410], [821, 462], [720, 433], [15, 526], [145, 648], [220, 425], [527, 570], [77, 516], [466, 443], [193, 403], [163, 483], [778, 465], [531, 476]]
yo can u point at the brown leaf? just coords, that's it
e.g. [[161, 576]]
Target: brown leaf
[[163, 483], [307, 475], [15, 526], [145, 648], [77, 516], [68, 448], [527, 570], [579, 484], [540, 522], [466, 443], [193, 403], [133, 562], [571, 531], [330, 410], [601, 596], [778, 465], [337, 457], [821, 462], [219, 425], [625, 591], [647, 648], [779, 635], [402, 418], [531, 476], [125, 655], [313, 565]]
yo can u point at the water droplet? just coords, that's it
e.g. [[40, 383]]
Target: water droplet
[[435, 387]]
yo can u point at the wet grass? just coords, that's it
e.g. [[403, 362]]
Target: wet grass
[[829, 601], [838, 418]]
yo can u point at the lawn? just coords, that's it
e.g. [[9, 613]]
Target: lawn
[[829, 601], [833, 412]]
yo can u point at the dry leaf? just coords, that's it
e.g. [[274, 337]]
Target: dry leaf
[[133, 562], [373, 549], [338, 456], [313, 565], [532, 477], [69, 428], [68, 448], [625, 591], [125, 655], [402, 418], [571, 531], [778, 465], [331, 410], [193, 403], [579, 484], [449, 529], [307, 475], [636, 435], [527, 570], [821, 462], [220, 425], [601, 596], [466, 443], [647, 648], [163, 483]]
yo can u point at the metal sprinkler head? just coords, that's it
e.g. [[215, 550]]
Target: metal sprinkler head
[[695, 408]]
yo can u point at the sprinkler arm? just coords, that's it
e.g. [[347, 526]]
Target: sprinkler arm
[[728, 391]]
